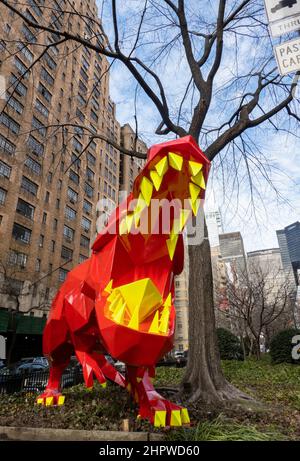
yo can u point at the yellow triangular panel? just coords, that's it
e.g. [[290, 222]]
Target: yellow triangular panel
[[162, 166], [175, 161], [185, 416], [184, 216], [195, 167], [129, 221], [123, 227], [156, 179], [171, 244], [115, 303], [141, 295], [146, 189], [168, 301], [194, 191], [154, 327], [119, 313], [199, 180], [134, 321], [164, 320]]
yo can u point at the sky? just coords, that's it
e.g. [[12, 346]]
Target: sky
[[257, 219]]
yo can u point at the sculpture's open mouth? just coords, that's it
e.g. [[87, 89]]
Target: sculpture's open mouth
[[139, 306]]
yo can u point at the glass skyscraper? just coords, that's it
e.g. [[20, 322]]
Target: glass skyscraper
[[289, 244]]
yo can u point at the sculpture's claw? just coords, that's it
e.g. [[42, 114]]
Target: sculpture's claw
[[185, 418], [50, 400], [175, 418], [160, 418]]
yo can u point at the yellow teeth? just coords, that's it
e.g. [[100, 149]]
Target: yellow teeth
[[108, 288], [195, 167], [164, 320], [168, 301], [156, 179], [199, 180], [154, 327], [171, 244], [146, 189], [194, 191], [180, 222], [140, 206], [175, 161], [162, 166], [175, 418], [134, 321]]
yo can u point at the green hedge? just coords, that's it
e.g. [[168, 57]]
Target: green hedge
[[229, 345], [281, 346]]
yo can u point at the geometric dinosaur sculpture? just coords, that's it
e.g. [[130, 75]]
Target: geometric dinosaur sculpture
[[120, 300]]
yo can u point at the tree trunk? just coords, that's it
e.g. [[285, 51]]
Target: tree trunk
[[204, 379]]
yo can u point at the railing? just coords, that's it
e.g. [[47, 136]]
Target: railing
[[36, 381]]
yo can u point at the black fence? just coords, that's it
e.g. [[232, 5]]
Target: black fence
[[36, 381]]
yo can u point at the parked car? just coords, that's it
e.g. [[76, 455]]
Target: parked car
[[31, 368]]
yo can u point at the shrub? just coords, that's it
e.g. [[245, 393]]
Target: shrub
[[229, 345], [281, 346]]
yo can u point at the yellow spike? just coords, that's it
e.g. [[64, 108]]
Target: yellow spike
[[146, 189], [119, 313], [195, 206], [134, 321], [195, 167], [112, 296], [185, 416], [123, 227], [40, 401], [114, 304], [129, 221], [108, 288], [154, 327], [61, 400], [49, 401], [140, 206], [199, 180], [175, 161], [156, 179], [164, 320], [162, 166], [194, 191], [184, 216], [160, 418], [168, 301], [171, 244], [175, 418]]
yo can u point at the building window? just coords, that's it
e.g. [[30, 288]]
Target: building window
[[72, 195], [38, 126], [5, 170], [55, 222], [68, 233], [26, 53], [41, 241], [35, 146], [47, 196], [6, 145], [57, 203], [21, 233], [15, 104], [10, 123], [47, 77], [25, 209], [34, 166], [18, 259], [84, 241], [49, 177], [85, 224], [44, 220], [74, 176], [87, 207], [29, 186], [94, 116], [70, 213], [52, 246], [91, 159], [30, 37], [82, 258], [77, 145], [41, 108], [21, 67], [90, 175], [66, 253], [18, 87], [88, 190], [76, 161], [16, 286], [50, 62], [3, 193], [62, 274], [44, 92], [37, 265]]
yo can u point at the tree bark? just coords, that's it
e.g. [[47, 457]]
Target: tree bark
[[204, 379]]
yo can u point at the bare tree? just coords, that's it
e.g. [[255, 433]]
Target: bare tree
[[221, 59], [260, 304]]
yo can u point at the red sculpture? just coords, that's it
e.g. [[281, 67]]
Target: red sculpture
[[120, 301]]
